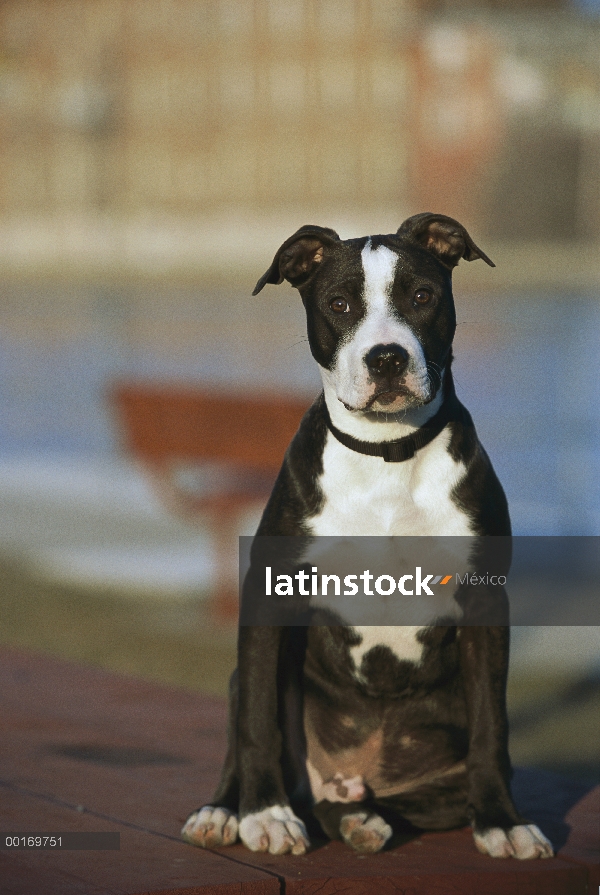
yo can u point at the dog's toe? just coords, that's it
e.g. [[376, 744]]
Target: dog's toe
[[276, 830], [365, 833], [524, 842], [494, 842], [211, 827], [529, 842]]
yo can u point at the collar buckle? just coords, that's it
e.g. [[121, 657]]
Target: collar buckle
[[397, 451]]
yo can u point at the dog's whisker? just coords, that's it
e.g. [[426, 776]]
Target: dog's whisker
[[434, 372]]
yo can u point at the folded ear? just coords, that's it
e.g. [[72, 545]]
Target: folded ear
[[297, 258], [443, 237]]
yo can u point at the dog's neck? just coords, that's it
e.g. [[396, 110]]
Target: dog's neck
[[377, 427]]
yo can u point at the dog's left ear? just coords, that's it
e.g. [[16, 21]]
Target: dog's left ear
[[298, 257], [443, 237]]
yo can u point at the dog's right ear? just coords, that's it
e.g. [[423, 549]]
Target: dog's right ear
[[298, 257]]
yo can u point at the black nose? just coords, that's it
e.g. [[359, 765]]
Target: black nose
[[387, 360]]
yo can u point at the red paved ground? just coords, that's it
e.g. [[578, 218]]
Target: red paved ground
[[86, 750]]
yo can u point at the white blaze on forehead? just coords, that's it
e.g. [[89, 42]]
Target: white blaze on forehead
[[379, 266]]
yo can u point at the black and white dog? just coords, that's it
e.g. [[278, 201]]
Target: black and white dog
[[363, 727]]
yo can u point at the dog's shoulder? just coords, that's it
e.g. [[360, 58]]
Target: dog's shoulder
[[296, 495], [479, 492]]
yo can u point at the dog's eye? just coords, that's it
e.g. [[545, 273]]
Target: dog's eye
[[423, 296], [339, 306]]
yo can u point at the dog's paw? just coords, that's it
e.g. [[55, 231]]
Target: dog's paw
[[276, 830], [365, 833], [524, 842], [211, 827]]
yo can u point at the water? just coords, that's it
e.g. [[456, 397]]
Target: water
[[526, 366]]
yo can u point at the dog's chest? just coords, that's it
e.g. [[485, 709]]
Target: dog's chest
[[364, 495]]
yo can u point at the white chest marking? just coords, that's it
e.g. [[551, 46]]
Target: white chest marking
[[366, 496], [401, 640]]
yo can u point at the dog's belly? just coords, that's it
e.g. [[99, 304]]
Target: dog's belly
[[350, 764], [366, 496], [352, 771]]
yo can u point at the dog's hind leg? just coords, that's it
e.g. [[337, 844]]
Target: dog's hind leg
[[217, 824]]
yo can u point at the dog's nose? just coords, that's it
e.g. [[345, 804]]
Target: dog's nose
[[387, 360]]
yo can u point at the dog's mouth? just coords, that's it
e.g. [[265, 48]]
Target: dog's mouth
[[392, 400], [388, 397]]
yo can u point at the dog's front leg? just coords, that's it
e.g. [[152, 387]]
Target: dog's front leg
[[498, 829], [267, 822], [216, 824], [252, 778]]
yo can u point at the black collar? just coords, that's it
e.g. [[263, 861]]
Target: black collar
[[403, 448]]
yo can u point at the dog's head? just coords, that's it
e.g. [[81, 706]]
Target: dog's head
[[380, 310]]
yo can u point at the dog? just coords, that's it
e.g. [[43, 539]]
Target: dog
[[374, 729]]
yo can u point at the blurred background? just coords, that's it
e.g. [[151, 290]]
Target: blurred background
[[154, 155]]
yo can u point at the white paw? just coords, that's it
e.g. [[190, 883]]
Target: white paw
[[276, 830], [523, 842], [365, 833], [210, 827]]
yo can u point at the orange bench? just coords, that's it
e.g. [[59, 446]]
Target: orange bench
[[209, 454]]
